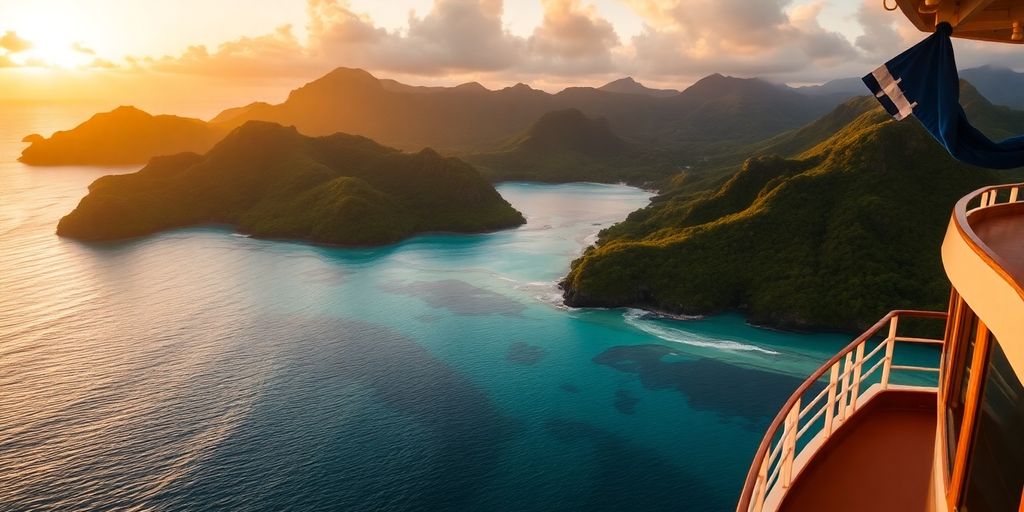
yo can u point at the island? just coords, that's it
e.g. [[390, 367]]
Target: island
[[123, 136], [825, 229], [270, 181]]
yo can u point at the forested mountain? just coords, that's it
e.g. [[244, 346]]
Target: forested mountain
[[270, 181], [843, 226]]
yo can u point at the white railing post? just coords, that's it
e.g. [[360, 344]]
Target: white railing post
[[761, 489], [833, 381], [789, 444], [843, 409], [858, 360], [1013, 194], [984, 200], [890, 343]]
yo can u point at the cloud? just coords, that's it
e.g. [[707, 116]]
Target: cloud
[[678, 42], [81, 48], [572, 37], [742, 37], [880, 37], [276, 53], [13, 43], [453, 37]]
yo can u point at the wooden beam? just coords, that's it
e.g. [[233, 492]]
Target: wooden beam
[[946, 12], [966, 9], [909, 8], [981, 26]]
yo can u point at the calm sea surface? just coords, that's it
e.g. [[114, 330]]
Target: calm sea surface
[[202, 370]]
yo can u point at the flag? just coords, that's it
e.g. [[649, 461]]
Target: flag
[[923, 82]]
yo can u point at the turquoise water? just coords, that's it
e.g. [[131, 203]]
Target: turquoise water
[[200, 369]]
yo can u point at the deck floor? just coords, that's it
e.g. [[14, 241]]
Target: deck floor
[[1002, 229], [881, 460]]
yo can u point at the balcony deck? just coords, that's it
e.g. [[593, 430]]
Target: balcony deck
[[1001, 228], [880, 460]]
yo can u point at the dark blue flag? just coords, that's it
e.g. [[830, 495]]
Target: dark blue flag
[[923, 81]]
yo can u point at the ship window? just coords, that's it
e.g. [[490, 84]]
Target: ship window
[[996, 473], [960, 376]]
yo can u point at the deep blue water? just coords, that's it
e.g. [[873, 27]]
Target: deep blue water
[[199, 369]]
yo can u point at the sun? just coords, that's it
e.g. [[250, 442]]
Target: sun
[[53, 44]]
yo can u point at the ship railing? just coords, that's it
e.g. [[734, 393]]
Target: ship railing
[[990, 196], [983, 199], [846, 381]]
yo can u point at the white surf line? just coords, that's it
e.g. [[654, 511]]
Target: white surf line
[[636, 318]]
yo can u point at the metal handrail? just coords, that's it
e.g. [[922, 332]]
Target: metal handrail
[[762, 478]]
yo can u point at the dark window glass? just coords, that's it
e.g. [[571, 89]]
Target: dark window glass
[[996, 472], [961, 368]]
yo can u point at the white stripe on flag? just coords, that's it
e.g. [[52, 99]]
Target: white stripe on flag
[[891, 88]]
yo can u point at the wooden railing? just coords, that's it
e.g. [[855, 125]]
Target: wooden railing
[[979, 200], [990, 196], [782, 452]]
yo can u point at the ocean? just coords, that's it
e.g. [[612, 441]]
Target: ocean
[[200, 369]]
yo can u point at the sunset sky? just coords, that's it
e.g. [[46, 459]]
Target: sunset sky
[[90, 49]]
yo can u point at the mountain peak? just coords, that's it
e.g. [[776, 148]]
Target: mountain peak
[[256, 141], [571, 130], [342, 72], [628, 85], [624, 81], [128, 110], [471, 86], [345, 79], [719, 85]]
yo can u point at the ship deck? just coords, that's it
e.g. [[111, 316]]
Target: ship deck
[[880, 460], [1001, 228]]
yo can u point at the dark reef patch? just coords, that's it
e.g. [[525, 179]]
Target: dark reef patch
[[569, 388], [625, 402], [626, 476], [392, 428], [459, 297], [524, 354], [707, 384]]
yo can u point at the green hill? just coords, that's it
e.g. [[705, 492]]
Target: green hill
[[565, 146], [831, 238], [270, 181], [570, 131], [125, 135]]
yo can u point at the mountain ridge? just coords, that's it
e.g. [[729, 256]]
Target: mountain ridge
[[122, 136]]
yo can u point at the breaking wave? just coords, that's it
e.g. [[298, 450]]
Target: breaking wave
[[642, 320]]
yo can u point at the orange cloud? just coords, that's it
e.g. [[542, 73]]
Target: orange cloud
[[680, 41], [276, 53], [572, 37], [13, 43], [741, 37]]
